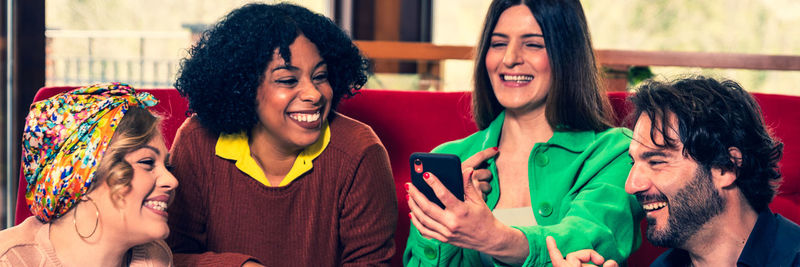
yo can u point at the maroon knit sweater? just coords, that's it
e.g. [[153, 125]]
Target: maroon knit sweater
[[342, 212]]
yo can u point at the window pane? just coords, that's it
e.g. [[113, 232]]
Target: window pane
[[139, 42], [748, 26]]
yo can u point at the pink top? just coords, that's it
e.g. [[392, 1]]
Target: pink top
[[28, 244]]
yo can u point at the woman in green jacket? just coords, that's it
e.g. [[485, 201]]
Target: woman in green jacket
[[546, 135]]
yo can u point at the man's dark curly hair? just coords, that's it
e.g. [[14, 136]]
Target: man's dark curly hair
[[221, 76], [712, 117]]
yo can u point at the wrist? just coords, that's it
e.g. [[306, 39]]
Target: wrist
[[510, 245]]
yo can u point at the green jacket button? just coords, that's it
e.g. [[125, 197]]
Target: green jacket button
[[545, 209], [430, 253], [541, 160]]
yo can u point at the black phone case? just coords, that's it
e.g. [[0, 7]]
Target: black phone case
[[446, 167]]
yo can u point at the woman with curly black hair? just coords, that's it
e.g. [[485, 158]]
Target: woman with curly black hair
[[270, 172]]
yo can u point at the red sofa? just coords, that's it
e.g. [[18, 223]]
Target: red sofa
[[411, 121]]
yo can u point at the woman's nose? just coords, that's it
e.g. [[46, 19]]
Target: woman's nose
[[168, 181], [512, 56], [310, 93]]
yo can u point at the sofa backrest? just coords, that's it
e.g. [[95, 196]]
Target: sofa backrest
[[413, 121]]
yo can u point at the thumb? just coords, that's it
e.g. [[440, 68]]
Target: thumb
[[470, 192]]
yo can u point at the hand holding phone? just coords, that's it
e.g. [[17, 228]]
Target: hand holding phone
[[447, 167]]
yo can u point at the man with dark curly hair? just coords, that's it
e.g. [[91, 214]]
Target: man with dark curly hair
[[705, 170], [271, 174]]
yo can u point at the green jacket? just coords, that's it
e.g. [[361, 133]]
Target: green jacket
[[577, 185]]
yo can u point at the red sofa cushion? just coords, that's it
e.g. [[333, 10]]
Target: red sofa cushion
[[783, 117], [412, 121], [408, 122]]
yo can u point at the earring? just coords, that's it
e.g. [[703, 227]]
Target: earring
[[96, 220]]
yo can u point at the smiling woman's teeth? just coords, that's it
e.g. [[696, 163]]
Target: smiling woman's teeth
[[654, 206], [156, 205], [304, 117], [518, 78]]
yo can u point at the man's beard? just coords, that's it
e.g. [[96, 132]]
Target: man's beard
[[694, 205]]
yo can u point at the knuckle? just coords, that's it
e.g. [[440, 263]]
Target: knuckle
[[448, 236], [456, 229], [431, 181], [485, 188], [449, 229], [439, 194], [460, 213], [483, 174]]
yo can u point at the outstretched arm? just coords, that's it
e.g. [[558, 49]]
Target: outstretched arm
[[577, 258]]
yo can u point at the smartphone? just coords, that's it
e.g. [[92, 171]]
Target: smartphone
[[446, 167]]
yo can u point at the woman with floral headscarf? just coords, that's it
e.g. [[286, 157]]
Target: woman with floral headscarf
[[94, 159]]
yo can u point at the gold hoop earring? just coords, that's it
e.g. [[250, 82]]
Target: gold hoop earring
[[96, 220]]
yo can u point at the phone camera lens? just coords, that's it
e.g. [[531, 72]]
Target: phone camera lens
[[417, 162]]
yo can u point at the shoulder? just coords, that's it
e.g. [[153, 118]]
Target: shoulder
[[193, 132], [155, 253], [672, 257], [615, 133], [610, 143], [351, 135], [23, 234], [787, 234], [192, 125], [786, 249], [465, 147], [482, 139], [785, 225], [614, 137]]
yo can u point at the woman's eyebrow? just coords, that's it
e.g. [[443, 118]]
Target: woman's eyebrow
[[152, 148], [320, 64], [285, 67], [528, 35]]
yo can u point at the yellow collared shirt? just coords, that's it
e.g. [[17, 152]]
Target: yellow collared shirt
[[235, 147]]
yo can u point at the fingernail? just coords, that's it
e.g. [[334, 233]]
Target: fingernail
[[495, 148], [426, 175], [409, 215], [408, 197], [470, 173], [407, 186]]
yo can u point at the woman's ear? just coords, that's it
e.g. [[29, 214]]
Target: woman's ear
[[103, 190], [118, 197]]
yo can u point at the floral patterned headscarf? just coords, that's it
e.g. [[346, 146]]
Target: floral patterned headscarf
[[65, 137]]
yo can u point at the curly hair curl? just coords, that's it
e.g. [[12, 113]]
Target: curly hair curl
[[714, 116], [137, 128], [221, 76]]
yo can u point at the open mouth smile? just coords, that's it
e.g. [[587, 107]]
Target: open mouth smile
[[523, 78], [305, 117], [652, 202], [654, 206], [157, 204], [308, 119]]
